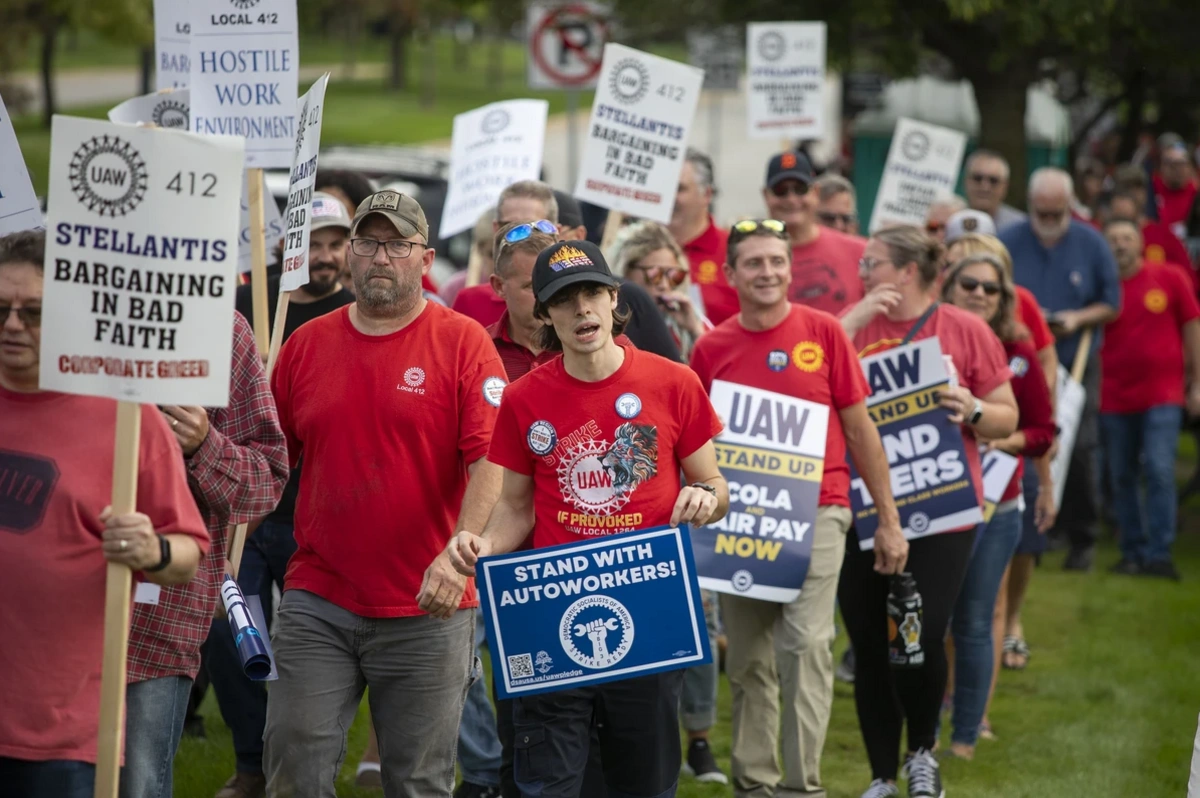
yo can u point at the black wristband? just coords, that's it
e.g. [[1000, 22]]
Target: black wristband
[[165, 560]]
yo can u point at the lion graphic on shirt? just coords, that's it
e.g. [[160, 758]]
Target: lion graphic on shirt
[[633, 457]]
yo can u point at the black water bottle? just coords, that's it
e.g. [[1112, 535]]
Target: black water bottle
[[905, 617]]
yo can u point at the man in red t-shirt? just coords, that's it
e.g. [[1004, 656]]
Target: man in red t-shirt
[[801, 352], [593, 443], [1159, 244], [1148, 349], [703, 242], [824, 261], [370, 597], [1174, 187]]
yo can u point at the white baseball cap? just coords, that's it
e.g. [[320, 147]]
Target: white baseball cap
[[328, 211], [967, 222]]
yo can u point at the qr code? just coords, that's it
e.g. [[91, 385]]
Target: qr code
[[520, 666]]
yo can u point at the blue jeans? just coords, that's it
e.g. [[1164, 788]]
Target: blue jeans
[[243, 702], [154, 713], [971, 625], [698, 702], [1137, 445], [60, 778], [479, 753]]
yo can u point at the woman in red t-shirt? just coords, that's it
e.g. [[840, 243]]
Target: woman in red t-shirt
[[980, 284], [898, 268]]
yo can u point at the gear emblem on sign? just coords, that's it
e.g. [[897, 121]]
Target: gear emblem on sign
[[630, 81], [586, 483], [108, 176], [301, 126], [244, 4], [771, 45], [596, 631], [495, 120], [170, 114], [915, 146]]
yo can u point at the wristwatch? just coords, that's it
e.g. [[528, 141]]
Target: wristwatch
[[976, 413], [705, 486], [166, 555]]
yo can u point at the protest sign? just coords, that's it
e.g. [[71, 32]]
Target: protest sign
[[139, 263], [172, 44], [998, 470], [772, 453], [638, 133], [492, 148], [922, 165], [166, 109], [1068, 412], [272, 221], [785, 76], [612, 608], [300, 187], [931, 482], [245, 64], [19, 208]]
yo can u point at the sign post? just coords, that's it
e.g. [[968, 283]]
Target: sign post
[[922, 165], [19, 208], [152, 326], [785, 92], [719, 52]]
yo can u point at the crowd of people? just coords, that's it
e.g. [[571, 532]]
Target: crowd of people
[[406, 432]]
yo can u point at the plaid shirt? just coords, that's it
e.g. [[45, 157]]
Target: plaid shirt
[[236, 476]]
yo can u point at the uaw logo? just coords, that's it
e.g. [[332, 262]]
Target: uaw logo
[[600, 479], [630, 81], [568, 257], [108, 176], [771, 45], [808, 356], [243, 4], [915, 145], [707, 273], [742, 580], [1156, 300], [495, 120], [301, 126], [596, 632], [918, 522], [171, 114]]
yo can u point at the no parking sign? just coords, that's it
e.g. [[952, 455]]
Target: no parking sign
[[566, 45]]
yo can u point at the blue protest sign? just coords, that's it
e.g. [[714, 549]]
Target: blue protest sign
[[930, 479], [580, 614], [772, 453]]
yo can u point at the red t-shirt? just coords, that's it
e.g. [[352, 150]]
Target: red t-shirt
[[481, 303], [1160, 245], [1174, 204], [56, 468], [1029, 313], [825, 271], [1141, 360], [976, 351], [706, 258], [382, 486], [1033, 405], [604, 456], [807, 356]]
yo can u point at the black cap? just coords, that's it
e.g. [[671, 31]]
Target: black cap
[[790, 165], [567, 263], [569, 212]]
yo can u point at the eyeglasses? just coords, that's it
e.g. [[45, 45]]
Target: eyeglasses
[[367, 247], [30, 316], [969, 284], [869, 264], [524, 231], [991, 180], [786, 187], [1050, 216], [746, 226], [675, 275], [845, 219]]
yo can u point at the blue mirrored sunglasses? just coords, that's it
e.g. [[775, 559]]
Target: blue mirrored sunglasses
[[524, 231]]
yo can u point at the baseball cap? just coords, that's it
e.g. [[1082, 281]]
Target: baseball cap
[[569, 212], [400, 209], [790, 165], [567, 263], [967, 222], [328, 211]]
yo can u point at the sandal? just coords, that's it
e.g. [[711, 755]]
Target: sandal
[[1015, 646]]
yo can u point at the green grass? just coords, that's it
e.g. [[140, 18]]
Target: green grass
[[1107, 707]]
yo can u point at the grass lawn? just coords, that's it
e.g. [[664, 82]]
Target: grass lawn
[[1108, 706]]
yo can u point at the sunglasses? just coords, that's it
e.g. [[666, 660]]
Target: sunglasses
[[746, 226], [969, 284], [30, 317], [991, 180], [1050, 216], [933, 228], [524, 231], [675, 275], [829, 218], [867, 265], [789, 187]]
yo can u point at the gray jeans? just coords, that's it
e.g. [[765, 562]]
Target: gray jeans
[[418, 670]]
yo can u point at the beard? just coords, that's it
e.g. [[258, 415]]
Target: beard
[[1051, 232], [321, 281], [398, 294]]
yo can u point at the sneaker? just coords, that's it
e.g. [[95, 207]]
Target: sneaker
[[369, 775], [1079, 559], [882, 789], [244, 785], [469, 790], [1164, 569], [845, 668], [1126, 567], [701, 765], [924, 775]]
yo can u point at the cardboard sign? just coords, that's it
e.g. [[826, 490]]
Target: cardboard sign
[[612, 608], [785, 77], [300, 187], [998, 470], [638, 133], [245, 62], [166, 109], [566, 43], [172, 44], [492, 148], [922, 165], [931, 482], [142, 232], [19, 207], [772, 453], [1068, 413]]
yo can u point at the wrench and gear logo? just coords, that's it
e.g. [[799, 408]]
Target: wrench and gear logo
[[242, 5], [108, 176], [630, 81], [596, 632], [170, 114]]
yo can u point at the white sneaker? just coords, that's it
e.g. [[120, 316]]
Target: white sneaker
[[882, 789]]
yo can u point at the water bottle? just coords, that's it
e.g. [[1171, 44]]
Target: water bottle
[[905, 617]]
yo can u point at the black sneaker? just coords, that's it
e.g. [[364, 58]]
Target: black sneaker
[[882, 789], [701, 765], [469, 790], [1164, 569], [1126, 567], [1080, 559], [845, 668], [924, 775]]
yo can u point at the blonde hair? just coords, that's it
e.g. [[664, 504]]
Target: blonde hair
[[907, 244], [637, 241], [979, 243]]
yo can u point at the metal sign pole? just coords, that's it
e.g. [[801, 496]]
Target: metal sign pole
[[572, 142]]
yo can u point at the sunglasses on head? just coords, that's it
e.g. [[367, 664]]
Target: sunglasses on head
[[991, 180], [524, 231], [795, 187], [829, 217], [746, 226], [969, 284]]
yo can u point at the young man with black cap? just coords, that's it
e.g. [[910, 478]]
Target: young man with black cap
[[391, 402], [651, 416], [824, 261]]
